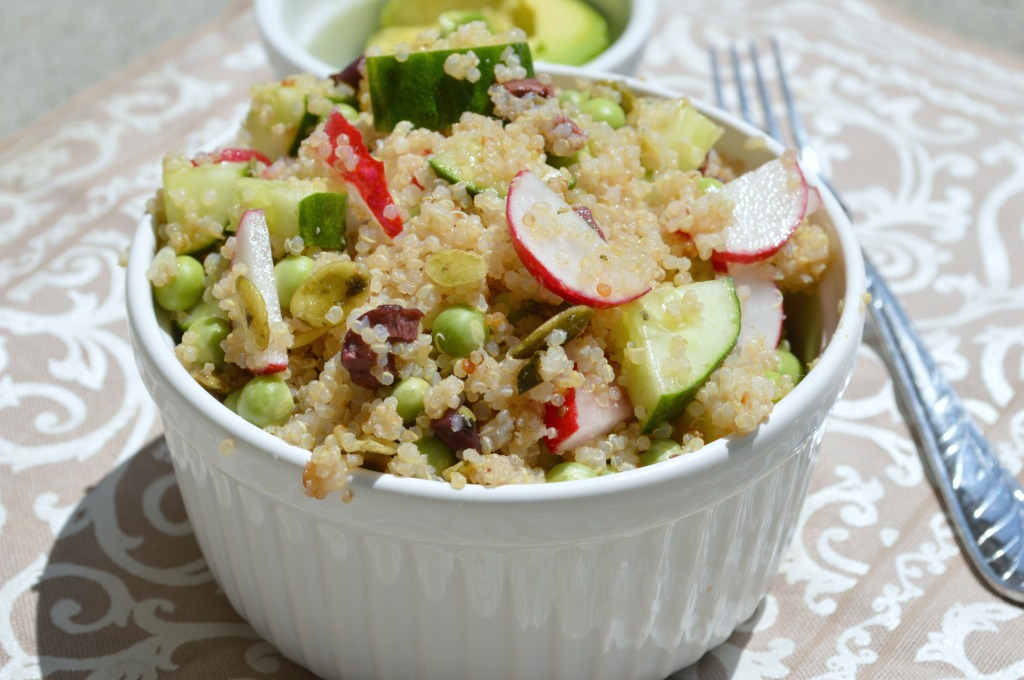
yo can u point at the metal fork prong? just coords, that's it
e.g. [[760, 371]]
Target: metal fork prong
[[741, 92], [795, 124], [716, 77], [770, 122], [808, 157]]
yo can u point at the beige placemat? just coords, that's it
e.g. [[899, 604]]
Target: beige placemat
[[99, 574]]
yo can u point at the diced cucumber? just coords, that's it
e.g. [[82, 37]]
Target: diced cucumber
[[198, 198], [458, 163], [418, 89], [279, 200], [804, 325], [322, 220], [673, 134], [661, 329], [273, 120], [449, 22], [310, 120]]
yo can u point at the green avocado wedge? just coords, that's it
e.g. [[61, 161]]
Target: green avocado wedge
[[655, 377], [418, 89]]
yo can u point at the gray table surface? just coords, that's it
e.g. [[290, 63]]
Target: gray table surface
[[52, 49]]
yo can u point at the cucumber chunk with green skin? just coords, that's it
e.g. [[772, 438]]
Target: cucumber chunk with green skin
[[273, 121], [198, 198], [309, 121], [279, 200], [322, 220], [449, 22], [661, 329], [418, 89], [457, 163], [673, 134], [804, 325]]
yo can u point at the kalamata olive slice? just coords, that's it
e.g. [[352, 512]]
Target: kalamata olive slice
[[358, 358], [351, 74], [457, 429], [254, 312], [454, 267], [588, 217], [521, 88], [402, 324], [343, 284], [572, 320]]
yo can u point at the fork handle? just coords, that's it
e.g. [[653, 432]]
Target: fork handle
[[983, 501]]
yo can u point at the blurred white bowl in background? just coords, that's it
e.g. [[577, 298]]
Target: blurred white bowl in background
[[295, 33]]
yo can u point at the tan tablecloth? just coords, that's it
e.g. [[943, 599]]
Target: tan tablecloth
[[101, 577]]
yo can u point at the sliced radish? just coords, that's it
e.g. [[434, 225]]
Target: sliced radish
[[814, 202], [760, 301], [263, 309], [769, 203], [239, 155], [367, 175], [565, 253], [580, 419]]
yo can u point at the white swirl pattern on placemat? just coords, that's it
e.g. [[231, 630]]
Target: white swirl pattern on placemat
[[101, 576]]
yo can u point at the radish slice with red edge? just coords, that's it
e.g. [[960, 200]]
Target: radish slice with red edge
[[760, 301], [367, 176], [237, 156], [252, 249], [769, 204], [565, 253], [580, 419]]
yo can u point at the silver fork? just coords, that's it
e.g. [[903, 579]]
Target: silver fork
[[983, 502]]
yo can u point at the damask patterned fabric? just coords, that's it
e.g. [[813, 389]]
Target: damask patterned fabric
[[99, 574]]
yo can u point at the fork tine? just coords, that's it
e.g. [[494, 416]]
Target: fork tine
[[795, 124], [771, 123], [716, 77], [741, 92], [808, 156]]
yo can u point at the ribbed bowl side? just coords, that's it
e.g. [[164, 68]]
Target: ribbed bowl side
[[342, 599]]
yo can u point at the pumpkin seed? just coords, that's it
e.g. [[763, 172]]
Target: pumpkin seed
[[342, 283], [454, 267], [254, 313], [572, 320]]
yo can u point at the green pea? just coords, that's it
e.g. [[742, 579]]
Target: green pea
[[660, 451], [409, 394], [348, 111], [706, 184], [201, 311], [231, 401], [573, 98], [790, 365], [459, 331], [265, 400], [289, 274], [568, 471], [186, 288], [439, 456], [605, 110], [210, 332]]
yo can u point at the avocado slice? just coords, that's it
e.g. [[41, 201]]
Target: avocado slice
[[562, 31], [652, 373]]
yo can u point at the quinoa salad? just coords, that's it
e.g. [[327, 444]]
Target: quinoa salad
[[436, 264]]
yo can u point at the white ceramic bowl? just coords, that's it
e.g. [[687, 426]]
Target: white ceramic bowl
[[631, 575], [290, 27]]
